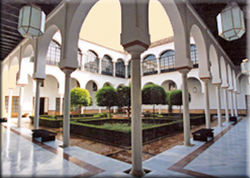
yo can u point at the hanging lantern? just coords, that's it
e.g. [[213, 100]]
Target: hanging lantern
[[245, 67], [31, 21], [230, 22]]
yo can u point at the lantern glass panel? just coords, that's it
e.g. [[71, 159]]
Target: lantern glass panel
[[21, 30], [26, 16], [20, 18], [236, 18], [35, 18], [42, 22], [219, 24], [226, 20], [33, 31]]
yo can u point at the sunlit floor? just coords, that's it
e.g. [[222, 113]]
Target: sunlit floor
[[224, 156]]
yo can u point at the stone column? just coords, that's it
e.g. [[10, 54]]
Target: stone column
[[66, 114], [141, 67], [235, 104], [206, 99], [158, 66], [136, 123], [61, 103], [100, 65], [226, 104], [231, 102], [126, 71], [159, 109], [37, 103], [114, 69], [20, 106], [100, 110], [186, 117], [10, 104], [217, 89]]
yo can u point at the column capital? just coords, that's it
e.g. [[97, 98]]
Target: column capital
[[184, 70], [206, 79], [68, 70], [21, 84], [217, 84], [39, 80]]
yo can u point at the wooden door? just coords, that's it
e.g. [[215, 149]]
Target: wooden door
[[14, 106]]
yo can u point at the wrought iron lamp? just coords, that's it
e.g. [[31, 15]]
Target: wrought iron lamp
[[230, 22], [31, 21]]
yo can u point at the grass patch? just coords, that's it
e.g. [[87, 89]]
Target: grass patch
[[126, 127]]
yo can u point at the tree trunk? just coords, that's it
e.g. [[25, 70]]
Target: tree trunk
[[154, 112], [109, 113]]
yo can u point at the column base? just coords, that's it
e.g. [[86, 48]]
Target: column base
[[137, 173], [3, 119], [189, 144]]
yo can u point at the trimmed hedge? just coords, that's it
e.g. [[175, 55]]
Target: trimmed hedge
[[122, 138]]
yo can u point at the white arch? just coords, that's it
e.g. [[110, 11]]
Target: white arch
[[197, 78], [14, 61], [230, 77], [147, 83], [75, 25], [94, 81], [201, 51], [235, 81], [107, 83], [167, 81], [182, 57], [223, 70], [215, 69], [42, 50]]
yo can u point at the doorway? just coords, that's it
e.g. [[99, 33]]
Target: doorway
[[42, 102]]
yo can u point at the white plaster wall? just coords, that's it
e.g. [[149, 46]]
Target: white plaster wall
[[197, 99], [50, 90], [28, 96]]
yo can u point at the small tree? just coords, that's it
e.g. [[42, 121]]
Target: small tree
[[79, 97], [106, 96], [124, 97], [175, 98], [154, 94]]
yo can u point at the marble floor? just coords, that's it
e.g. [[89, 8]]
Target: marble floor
[[224, 156]]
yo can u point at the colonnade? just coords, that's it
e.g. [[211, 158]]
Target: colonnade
[[135, 39]]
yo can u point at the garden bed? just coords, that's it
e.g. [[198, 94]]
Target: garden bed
[[97, 130]]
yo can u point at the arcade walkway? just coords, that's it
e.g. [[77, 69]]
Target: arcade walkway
[[224, 156]]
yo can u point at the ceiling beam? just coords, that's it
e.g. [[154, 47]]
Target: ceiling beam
[[7, 44], [9, 14], [11, 33], [10, 27], [9, 21], [11, 37], [15, 42]]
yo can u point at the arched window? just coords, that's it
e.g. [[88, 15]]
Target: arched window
[[54, 53], [129, 69], [149, 65], [107, 66], [79, 57], [167, 60], [120, 69], [193, 55], [91, 62]]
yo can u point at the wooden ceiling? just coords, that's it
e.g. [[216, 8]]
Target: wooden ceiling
[[10, 37], [207, 9]]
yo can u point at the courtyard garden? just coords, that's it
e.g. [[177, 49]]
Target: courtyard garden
[[113, 130]]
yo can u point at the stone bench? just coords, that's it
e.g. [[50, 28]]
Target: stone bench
[[44, 134], [202, 134]]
